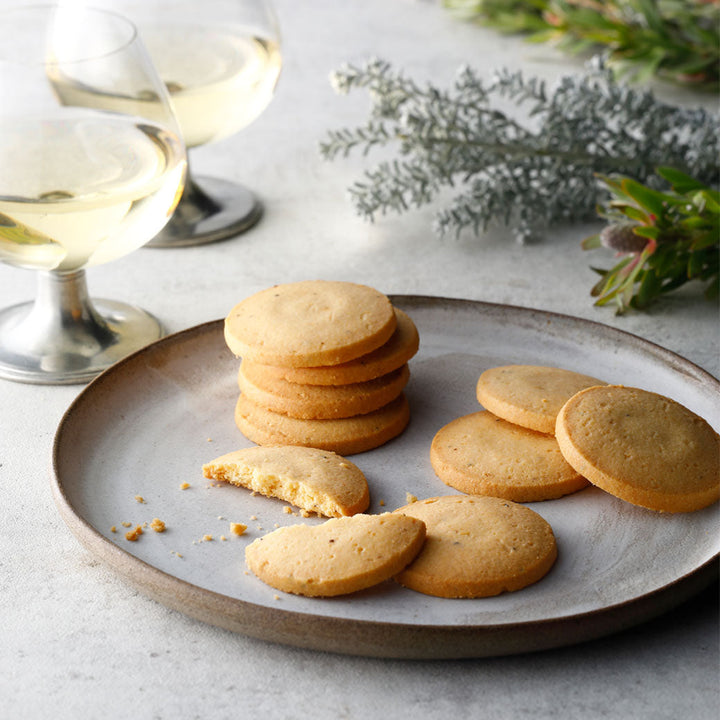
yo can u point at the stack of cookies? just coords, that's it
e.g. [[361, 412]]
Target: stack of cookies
[[324, 365]]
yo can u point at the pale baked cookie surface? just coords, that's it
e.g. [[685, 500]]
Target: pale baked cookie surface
[[319, 481], [641, 447], [529, 395], [398, 350], [481, 454], [309, 323], [478, 547], [340, 556], [320, 402], [345, 436]]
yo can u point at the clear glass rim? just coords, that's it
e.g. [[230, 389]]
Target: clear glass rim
[[17, 11]]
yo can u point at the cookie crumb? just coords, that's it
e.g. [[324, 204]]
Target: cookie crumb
[[237, 528], [126, 524], [158, 525], [223, 538], [410, 498], [382, 503], [113, 529], [288, 510], [185, 486], [207, 538], [133, 535], [140, 499]]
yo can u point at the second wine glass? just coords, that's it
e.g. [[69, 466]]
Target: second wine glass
[[220, 61]]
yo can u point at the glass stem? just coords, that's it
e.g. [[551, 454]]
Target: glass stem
[[63, 318]]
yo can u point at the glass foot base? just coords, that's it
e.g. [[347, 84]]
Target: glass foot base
[[210, 209], [33, 353]]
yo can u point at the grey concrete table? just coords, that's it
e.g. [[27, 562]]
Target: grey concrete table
[[75, 641]]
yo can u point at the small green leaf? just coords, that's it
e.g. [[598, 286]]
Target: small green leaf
[[647, 231], [680, 182], [592, 242], [651, 200], [649, 289]]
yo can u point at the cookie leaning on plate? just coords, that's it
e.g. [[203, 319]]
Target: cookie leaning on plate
[[309, 323], [340, 556], [481, 454], [477, 547], [315, 480], [529, 395], [641, 447]]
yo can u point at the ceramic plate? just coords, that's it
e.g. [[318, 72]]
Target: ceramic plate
[[146, 426]]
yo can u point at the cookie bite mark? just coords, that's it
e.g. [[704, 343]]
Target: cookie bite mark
[[315, 480]]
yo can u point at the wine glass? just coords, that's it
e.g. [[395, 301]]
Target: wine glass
[[220, 60], [91, 168]]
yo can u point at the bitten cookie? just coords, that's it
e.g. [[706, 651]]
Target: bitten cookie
[[530, 395], [641, 447], [320, 402], [481, 454], [398, 350], [315, 480], [345, 436], [477, 547], [340, 556], [308, 323]]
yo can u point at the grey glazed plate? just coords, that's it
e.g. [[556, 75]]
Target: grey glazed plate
[[146, 426]]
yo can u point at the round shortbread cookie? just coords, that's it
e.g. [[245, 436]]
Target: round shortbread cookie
[[641, 447], [345, 436], [398, 350], [481, 454], [321, 402], [530, 395], [478, 547], [315, 480], [340, 556], [309, 323]]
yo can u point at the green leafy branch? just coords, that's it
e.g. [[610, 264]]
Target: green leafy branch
[[663, 239], [673, 39], [529, 168]]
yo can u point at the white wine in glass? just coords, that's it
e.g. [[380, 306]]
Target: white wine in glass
[[220, 61], [79, 186]]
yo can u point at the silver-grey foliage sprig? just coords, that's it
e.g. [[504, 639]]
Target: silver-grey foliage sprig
[[530, 170]]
